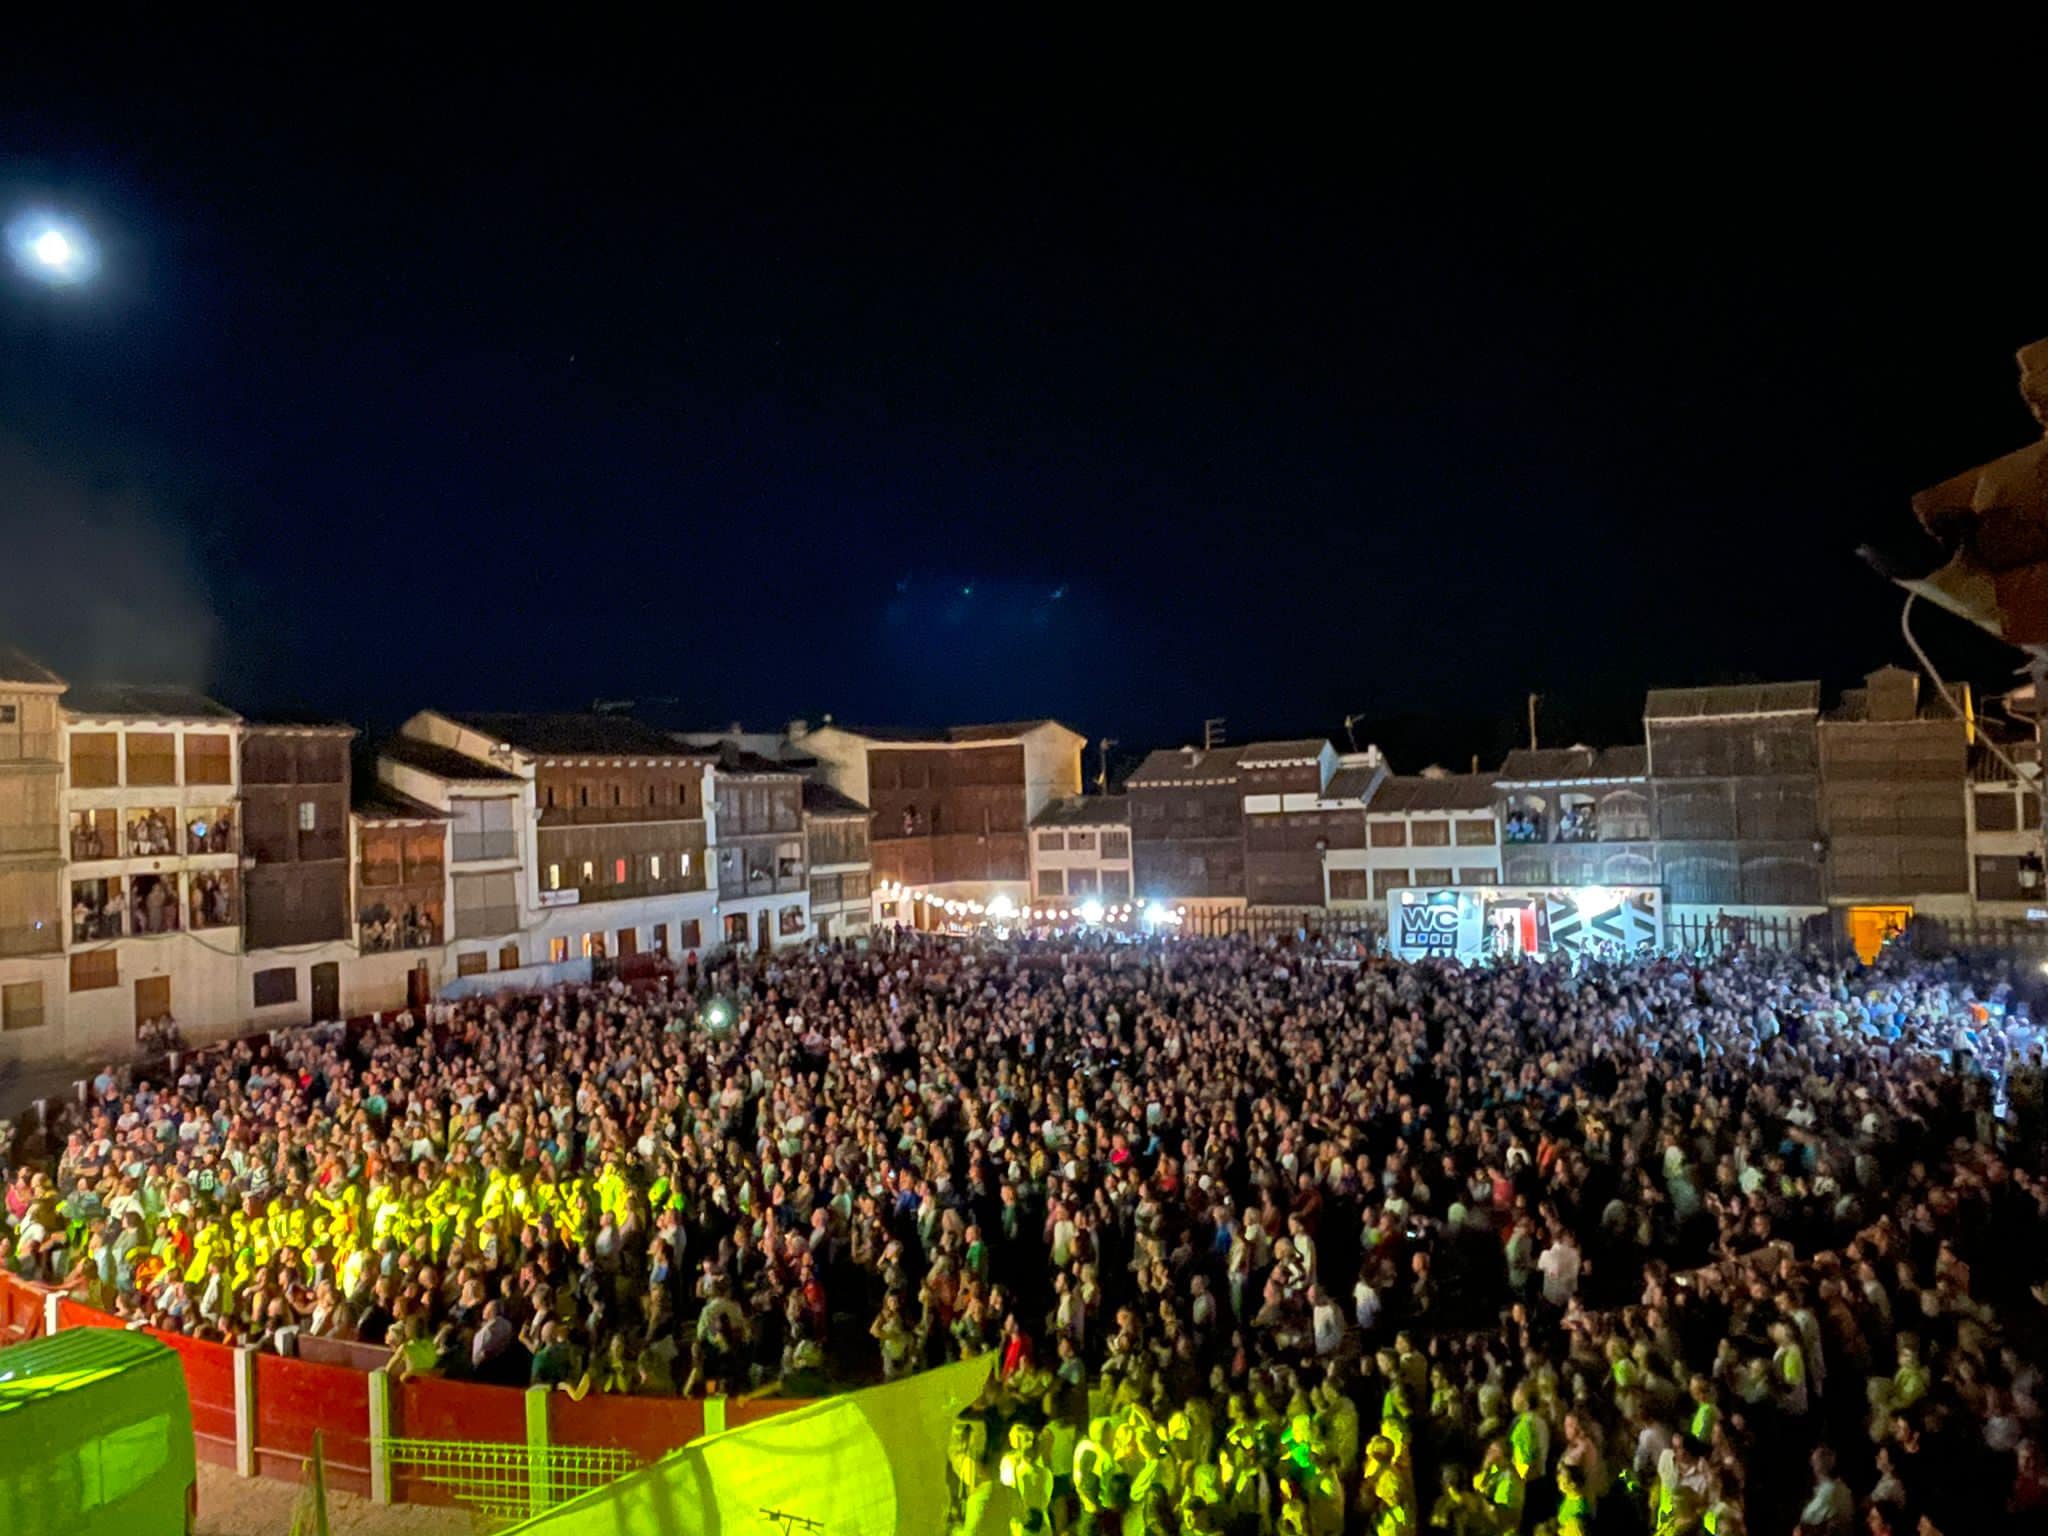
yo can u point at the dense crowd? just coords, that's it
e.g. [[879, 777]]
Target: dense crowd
[[1266, 1237]]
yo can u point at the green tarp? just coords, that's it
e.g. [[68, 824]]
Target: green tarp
[[870, 1463]]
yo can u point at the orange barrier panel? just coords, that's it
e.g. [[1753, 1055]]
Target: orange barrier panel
[[21, 1309], [649, 1427], [293, 1400]]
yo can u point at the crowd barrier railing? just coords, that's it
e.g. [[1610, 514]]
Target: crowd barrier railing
[[422, 1440]]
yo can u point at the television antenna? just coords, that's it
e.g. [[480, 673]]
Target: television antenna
[[1102, 778], [1212, 733]]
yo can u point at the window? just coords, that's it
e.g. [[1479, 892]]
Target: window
[[1116, 845], [1432, 877], [472, 964], [1351, 885], [1080, 842], [654, 866], [508, 957], [1385, 880], [558, 950], [1485, 876], [486, 906], [152, 757], [853, 886], [207, 760], [121, 1461], [1388, 834], [1081, 882], [309, 815], [7, 714], [650, 794], [618, 795], [272, 987], [589, 872], [824, 891], [1116, 884], [1997, 810], [548, 797], [618, 871], [660, 929], [1052, 882], [1475, 833], [95, 760], [1198, 866], [791, 920], [21, 1002], [1052, 842], [482, 829], [93, 968], [1430, 832], [690, 934], [593, 946], [554, 877], [629, 942], [582, 794], [682, 866]]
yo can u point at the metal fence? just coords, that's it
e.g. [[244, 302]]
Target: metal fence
[[503, 1481]]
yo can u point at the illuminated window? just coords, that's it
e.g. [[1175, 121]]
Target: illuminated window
[[309, 815], [558, 950], [654, 866], [589, 872], [618, 871], [682, 866], [554, 877]]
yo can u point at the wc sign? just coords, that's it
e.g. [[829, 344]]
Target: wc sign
[[1435, 926]]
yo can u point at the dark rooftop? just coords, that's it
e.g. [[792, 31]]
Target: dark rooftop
[[1085, 811], [824, 800], [442, 762], [567, 735], [946, 735], [143, 701], [1424, 792], [1188, 765], [737, 760], [380, 802], [1551, 765], [1737, 699], [1268, 754], [300, 724], [18, 666], [1353, 782]]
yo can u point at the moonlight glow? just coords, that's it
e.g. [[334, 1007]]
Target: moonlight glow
[[51, 249]]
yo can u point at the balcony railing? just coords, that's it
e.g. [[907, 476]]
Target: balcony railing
[[474, 847], [381, 931]]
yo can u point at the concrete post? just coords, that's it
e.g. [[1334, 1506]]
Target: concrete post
[[245, 1412], [536, 1450], [380, 1437], [51, 1301]]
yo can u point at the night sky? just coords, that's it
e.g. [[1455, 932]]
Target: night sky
[[919, 386]]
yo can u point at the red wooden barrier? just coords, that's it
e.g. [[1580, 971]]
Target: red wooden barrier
[[738, 1413], [293, 1399], [21, 1309], [296, 1397], [649, 1427]]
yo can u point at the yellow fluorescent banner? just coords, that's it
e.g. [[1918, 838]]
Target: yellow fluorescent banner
[[870, 1463]]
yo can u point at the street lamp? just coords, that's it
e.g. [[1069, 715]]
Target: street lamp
[[52, 249]]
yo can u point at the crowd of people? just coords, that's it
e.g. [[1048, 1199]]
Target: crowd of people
[[1267, 1237]]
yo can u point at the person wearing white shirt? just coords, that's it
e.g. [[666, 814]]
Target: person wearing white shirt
[[1560, 1264]]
